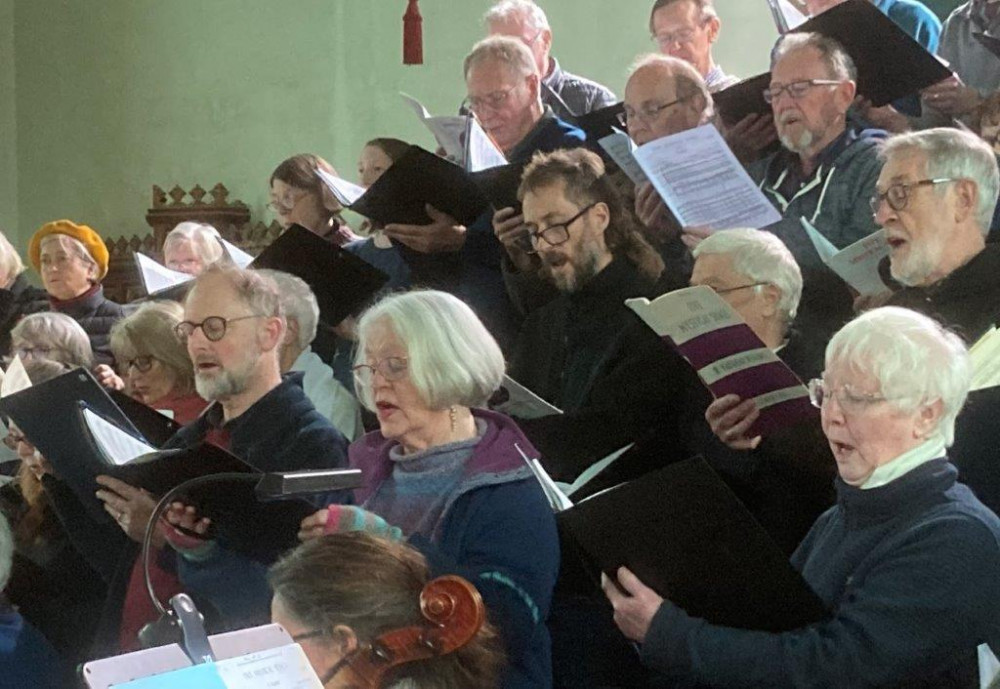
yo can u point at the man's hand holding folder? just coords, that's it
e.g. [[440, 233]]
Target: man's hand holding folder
[[444, 233], [634, 603]]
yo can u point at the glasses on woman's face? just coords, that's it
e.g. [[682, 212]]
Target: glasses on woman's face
[[287, 203], [214, 327], [553, 235], [32, 352], [849, 399], [391, 368], [142, 364]]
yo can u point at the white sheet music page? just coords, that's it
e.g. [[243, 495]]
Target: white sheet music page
[[523, 403], [621, 148], [119, 447], [483, 153], [703, 183], [857, 264], [346, 192], [15, 379], [237, 255], [449, 132], [156, 277], [278, 668]]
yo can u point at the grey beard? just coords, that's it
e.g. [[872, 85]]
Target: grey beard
[[225, 384], [582, 272], [805, 140]]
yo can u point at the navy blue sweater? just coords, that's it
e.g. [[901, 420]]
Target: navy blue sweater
[[911, 574]]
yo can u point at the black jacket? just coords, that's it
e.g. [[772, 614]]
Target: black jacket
[[96, 314], [16, 302], [591, 356], [967, 301]]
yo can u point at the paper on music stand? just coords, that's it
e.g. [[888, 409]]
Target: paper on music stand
[[345, 192], [523, 403], [237, 255], [15, 379], [449, 131], [857, 264], [158, 278], [117, 446], [558, 500], [621, 148], [726, 354], [482, 153], [786, 15], [703, 183]]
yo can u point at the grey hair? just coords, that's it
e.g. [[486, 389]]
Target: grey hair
[[705, 7], [839, 64], [687, 81], [761, 257], [525, 10], [892, 344], [11, 264], [6, 551], [149, 331], [64, 336], [504, 49], [76, 246], [257, 291], [954, 154], [453, 359], [298, 303], [203, 237]]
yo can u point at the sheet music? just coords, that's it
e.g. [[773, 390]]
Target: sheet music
[[786, 15], [482, 153], [15, 379], [156, 277], [285, 667], [858, 264], [346, 192], [596, 468], [558, 500], [236, 254], [985, 356], [621, 148], [449, 132], [703, 183], [523, 403], [118, 447]]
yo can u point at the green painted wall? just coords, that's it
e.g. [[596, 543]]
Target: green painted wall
[[8, 122], [114, 96]]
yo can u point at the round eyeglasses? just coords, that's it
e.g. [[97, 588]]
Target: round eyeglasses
[[391, 368], [214, 327], [898, 195], [142, 364]]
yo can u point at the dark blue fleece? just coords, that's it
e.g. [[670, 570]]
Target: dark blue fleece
[[911, 574]]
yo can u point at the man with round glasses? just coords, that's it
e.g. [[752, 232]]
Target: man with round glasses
[[935, 199], [233, 328], [825, 171]]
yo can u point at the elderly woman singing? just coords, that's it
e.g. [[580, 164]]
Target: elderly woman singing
[[446, 474], [907, 561]]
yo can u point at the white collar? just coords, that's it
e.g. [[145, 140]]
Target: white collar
[[932, 448]]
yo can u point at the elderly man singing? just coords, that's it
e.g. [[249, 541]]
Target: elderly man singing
[[906, 561]]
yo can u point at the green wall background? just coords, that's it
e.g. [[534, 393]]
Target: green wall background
[[112, 96]]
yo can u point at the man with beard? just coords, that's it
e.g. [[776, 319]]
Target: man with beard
[[825, 170], [585, 351], [935, 198], [234, 327]]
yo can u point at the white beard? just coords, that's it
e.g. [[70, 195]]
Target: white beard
[[225, 383]]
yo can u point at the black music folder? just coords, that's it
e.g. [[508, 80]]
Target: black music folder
[[599, 123], [419, 178], [686, 535], [500, 184], [342, 282], [155, 427], [891, 64]]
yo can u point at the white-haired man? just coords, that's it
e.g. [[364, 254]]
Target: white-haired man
[[825, 170], [329, 397], [504, 91], [234, 327], [567, 94], [935, 198]]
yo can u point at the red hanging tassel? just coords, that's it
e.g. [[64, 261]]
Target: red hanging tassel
[[413, 35]]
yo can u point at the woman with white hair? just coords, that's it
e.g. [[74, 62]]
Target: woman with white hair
[[57, 337], [191, 247], [906, 561], [72, 260], [447, 474], [18, 297]]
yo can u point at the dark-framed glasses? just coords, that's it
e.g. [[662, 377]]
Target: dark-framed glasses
[[553, 235], [391, 368], [849, 399], [796, 89], [214, 327], [142, 364], [647, 113], [898, 195]]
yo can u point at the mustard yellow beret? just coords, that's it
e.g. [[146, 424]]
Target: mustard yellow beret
[[87, 236]]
